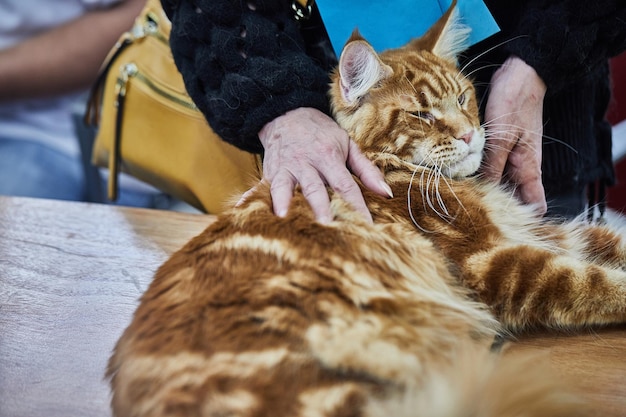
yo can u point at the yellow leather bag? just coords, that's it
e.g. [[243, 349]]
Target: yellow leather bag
[[149, 127]]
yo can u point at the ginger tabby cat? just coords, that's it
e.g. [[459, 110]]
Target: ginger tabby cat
[[268, 316]]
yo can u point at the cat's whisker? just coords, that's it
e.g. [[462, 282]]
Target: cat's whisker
[[424, 185], [485, 163], [410, 203], [499, 132], [495, 147], [440, 199], [411, 84], [468, 63], [469, 74], [434, 177], [492, 126], [499, 141], [500, 128], [551, 139], [425, 191], [451, 189], [504, 128], [438, 194], [421, 166], [446, 181], [431, 192], [503, 116], [429, 183]]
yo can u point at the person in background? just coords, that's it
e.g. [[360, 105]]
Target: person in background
[[262, 87], [545, 87], [50, 54]]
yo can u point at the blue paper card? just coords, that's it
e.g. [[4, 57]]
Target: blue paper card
[[392, 23]]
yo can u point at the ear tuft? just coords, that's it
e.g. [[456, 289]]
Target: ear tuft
[[447, 38], [453, 38], [360, 69]]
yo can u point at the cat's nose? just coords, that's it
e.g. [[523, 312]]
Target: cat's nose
[[467, 137]]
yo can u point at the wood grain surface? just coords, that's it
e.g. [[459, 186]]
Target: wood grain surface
[[70, 278]]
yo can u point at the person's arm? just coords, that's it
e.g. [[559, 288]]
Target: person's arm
[[66, 58], [514, 117], [307, 147], [555, 44], [244, 64], [247, 70], [565, 40]]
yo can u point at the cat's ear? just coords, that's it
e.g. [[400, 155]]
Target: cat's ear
[[360, 69], [448, 37]]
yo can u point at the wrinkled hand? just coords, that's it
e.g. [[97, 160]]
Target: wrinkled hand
[[307, 147], [513, 118]]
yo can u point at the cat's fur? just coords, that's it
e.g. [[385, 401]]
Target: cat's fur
[[268, 316]]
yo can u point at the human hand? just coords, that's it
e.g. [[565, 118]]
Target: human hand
[[514, 125], [307, 147]]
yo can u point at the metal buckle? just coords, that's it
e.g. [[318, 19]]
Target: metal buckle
[[302, 10]]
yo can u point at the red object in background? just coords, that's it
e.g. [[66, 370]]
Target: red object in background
[[616, 195], [617, 108]]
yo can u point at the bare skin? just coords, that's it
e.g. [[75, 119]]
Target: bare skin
[[513, 117], [307, 147], [38, 67]]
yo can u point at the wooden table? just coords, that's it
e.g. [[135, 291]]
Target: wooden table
[[70, 278]]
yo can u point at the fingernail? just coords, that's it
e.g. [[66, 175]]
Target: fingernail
[[387, 188], [281, 213]]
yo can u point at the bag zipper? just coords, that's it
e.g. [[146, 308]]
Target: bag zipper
[[130, 70], [150, 27]]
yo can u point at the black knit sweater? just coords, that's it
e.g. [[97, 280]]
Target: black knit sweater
[[568, 43], [245, 67]]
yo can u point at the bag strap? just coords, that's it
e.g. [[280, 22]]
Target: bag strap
[[115, 154], [92, 114], [152, 21], [148, 23]]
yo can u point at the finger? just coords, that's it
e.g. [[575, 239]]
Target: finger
[[316, 194], [497, 149], [367, 172], [533, 193], [313, 189], [247, 194], [344, 184], [281, 190], [525, 170]]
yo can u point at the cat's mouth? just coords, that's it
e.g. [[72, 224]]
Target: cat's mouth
[[464, 160], [464, 167]]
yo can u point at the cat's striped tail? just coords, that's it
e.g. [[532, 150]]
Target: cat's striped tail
[[488, 386]]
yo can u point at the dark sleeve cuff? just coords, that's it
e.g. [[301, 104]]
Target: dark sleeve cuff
[[244, 68]]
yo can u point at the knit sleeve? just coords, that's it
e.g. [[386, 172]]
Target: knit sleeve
[[566, 40], [168, 7], [244, 64]]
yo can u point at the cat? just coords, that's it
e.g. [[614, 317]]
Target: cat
[[267, 316]]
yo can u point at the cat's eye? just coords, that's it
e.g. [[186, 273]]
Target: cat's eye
[[461, 99], [424, 115]]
